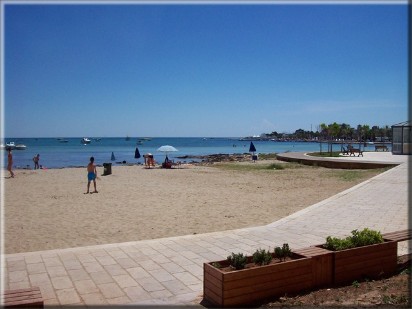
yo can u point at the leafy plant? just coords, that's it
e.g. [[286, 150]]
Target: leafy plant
[[237, 260], [355, 284], [357, 239], [366, 237], [216, 265], [284, 252], [261, 257]]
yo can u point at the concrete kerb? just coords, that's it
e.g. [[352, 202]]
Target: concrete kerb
[[341, 162]]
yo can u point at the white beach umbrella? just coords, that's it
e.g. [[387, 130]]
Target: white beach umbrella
[[167, 149]]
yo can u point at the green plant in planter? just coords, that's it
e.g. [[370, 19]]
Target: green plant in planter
[[366, 237], [262, 257], [284, 252], [358, 239], [237, 260]]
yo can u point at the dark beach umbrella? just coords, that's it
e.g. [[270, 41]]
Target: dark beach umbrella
[[113, 158], [137, 153], [252, 147]]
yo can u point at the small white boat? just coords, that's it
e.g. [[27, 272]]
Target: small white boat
[[85, 140], [10, 145], [20, 147]]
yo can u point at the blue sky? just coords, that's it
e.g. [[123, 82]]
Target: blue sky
[[201, 70]]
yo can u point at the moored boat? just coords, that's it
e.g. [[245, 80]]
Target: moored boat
[[20, 147], [85, 140], [10, 145]]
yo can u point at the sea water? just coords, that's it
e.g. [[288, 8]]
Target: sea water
[[54, 153]]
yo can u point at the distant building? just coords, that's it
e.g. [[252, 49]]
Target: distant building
[[402, 138]]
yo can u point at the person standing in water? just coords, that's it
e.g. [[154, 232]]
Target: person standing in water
[[91, 175], [10, 162], [36, 160]]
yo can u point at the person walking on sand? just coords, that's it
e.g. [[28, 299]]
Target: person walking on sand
[[91, 175], [10, 162], [36, 160]]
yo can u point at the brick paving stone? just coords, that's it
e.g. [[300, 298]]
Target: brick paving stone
[[125, 281], [114, 270], [176, 287], [126, 262], [101, 277], [25, 284], [172, 268], [56, 271], [47, 291], [110, 290], [105, 260], [187, 278], [18, 275], [72, 264], [138, 273], [33, 259], [39, 279], [78, 274], [61, 283], [85, 286], [161, 294], [52, 261], [86, 258], [149, 265], [119, 300], [16, 265], [161, 275], [94, 299], [136, 293], [68, 296], [36, 268], [92, 267], [150, 284], [117, 254]]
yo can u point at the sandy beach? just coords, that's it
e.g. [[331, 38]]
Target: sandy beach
[[48, 209]]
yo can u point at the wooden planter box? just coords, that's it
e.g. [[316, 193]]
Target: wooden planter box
[[253, 285], [322, 265], [371, 262]]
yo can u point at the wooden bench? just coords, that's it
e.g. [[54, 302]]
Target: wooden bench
[[381, 147], [22, 298], [398, 235], [353, 151]]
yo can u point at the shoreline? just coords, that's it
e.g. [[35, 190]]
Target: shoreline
[[205, 159]]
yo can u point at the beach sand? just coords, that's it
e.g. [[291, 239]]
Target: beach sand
[[47, 209]]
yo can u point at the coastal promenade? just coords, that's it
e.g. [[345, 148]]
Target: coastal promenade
[[170, 270]]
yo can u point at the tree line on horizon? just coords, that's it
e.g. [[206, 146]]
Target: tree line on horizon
[[335, 131]]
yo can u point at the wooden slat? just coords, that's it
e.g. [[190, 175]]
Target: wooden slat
[[398, 235], [23, 298]]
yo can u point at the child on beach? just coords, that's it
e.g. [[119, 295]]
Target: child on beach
[[91, 175]]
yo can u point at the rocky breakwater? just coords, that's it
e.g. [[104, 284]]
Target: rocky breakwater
[[217, 158]]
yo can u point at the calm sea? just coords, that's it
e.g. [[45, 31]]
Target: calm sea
[[57, 154]]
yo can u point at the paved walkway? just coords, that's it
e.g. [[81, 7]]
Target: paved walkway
[[170, 270]]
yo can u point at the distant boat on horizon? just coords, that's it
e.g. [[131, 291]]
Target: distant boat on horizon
[[85, 141]]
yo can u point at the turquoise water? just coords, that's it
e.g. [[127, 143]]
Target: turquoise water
[[55, 154]]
